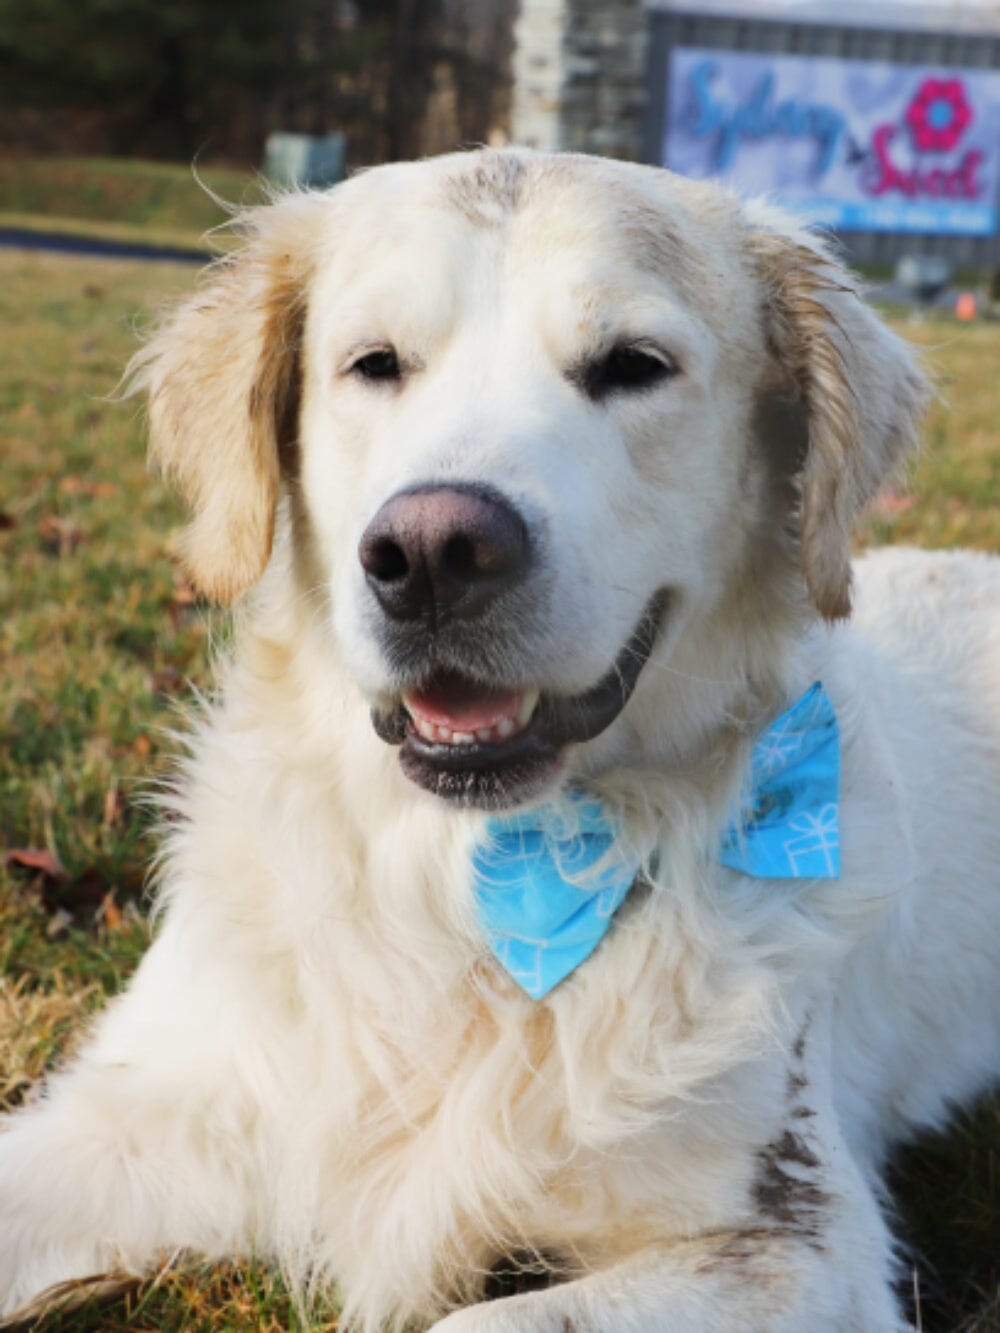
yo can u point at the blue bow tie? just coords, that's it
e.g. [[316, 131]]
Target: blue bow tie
[[545, 901]]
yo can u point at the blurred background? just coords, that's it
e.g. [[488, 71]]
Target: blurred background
[[879, 121], [124, 127], [172, 81]]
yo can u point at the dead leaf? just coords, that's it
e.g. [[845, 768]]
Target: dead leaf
[[60, 535], [142, 745], [889, 503], [35, 858], [71, 1295], [72, 484], [60, 892], [183, 594], [114, 806], [59, 922], [183, 599], [82, 894], [110, 912], [168, 680]]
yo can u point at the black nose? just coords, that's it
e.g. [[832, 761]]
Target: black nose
[[443, 551]]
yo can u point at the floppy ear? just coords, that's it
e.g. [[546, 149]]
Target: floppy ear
[[861, 388], [222, 378]]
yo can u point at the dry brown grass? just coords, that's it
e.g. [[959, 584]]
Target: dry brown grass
[[36, 1026]]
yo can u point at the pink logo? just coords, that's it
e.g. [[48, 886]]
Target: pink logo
[[938, 115]]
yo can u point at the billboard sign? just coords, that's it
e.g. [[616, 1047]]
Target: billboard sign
[[853, 144]]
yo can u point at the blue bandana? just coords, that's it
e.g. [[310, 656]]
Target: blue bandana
[[541, 924]]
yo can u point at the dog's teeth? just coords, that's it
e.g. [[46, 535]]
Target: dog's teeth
[[528, 705], [501, 730]]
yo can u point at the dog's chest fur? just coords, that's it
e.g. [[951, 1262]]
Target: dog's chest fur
[[446, 1119], [504, 1129]]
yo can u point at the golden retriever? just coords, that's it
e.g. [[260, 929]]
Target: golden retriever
[[534, 475]]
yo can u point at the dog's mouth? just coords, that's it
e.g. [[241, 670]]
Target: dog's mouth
[[493, 747]]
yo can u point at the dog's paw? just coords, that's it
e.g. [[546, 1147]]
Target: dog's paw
[[534, 1312]]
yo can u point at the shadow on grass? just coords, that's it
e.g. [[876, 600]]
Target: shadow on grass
[[947, 1187]]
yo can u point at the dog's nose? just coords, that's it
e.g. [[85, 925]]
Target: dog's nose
[[444, 550]]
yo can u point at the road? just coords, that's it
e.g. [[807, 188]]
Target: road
[[23, 238]]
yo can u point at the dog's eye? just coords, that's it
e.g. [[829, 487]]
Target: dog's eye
[[382, 364], [627, 368]]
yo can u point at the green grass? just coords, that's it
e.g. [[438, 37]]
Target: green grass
[[44, 225], [98, 635], [234, 1298], [954, 491], [152, 201]]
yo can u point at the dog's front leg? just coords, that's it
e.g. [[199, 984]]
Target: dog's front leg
[[831, 1277], [143, 1145], [804, 1248], [756, 1281]]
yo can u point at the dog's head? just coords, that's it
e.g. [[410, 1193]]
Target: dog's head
[[538, 418]]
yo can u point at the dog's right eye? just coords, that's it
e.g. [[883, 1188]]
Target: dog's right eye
[[382, 364]]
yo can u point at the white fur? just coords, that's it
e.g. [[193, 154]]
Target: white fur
[[318, 1059]]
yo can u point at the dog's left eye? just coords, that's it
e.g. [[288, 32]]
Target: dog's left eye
[[628, 368], [382, 364]]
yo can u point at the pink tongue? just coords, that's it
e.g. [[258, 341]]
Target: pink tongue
[[459, 708]]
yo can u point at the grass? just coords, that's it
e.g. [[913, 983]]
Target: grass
[[156, 202], [99, 635], [236, 1298], [954, 492]]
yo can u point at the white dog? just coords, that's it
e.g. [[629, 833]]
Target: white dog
[[537, 473]]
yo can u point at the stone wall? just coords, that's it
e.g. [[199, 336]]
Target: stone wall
[[579, 69]]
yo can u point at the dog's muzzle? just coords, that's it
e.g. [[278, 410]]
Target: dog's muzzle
[[450, 569], [492, 748]]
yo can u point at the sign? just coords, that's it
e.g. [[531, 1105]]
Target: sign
[[303, 160], [853, 144]]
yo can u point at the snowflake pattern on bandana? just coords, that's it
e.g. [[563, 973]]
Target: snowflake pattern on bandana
[[548, 882], [789, 826]]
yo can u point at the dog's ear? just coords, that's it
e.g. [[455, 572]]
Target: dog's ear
[[860, 388], [221, 374]]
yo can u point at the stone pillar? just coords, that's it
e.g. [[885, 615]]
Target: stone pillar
[[538, 70], [579, 69]]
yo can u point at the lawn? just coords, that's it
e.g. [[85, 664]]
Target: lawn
[[155, 202], [100, 637]]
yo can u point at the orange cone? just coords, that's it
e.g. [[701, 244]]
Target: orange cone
[[965, 306]]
